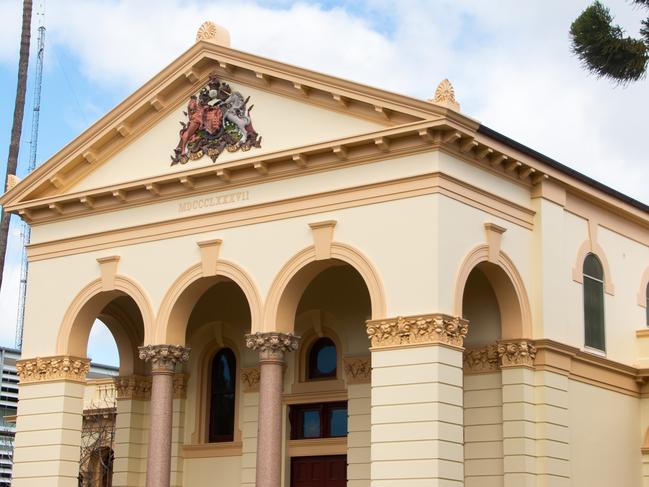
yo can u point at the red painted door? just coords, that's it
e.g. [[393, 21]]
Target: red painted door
[[328, 471]]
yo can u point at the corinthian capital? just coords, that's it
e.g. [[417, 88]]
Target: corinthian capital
[[516, 353], [164, 358], [272, 345], [44, 369], [414, 330]]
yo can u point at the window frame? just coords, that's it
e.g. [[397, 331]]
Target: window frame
[[296, 419], [588, 281], [311, 361], [210, 397]]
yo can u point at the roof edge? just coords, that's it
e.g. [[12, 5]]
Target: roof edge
[[483, 129]]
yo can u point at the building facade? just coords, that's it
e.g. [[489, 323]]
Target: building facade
[[343, 286]]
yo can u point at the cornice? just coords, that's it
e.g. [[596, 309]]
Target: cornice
[[417, 330], [361, 149], [425, 184]]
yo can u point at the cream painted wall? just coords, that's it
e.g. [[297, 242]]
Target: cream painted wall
[[283, 123], [310, 184], [623, 315], [461, 229], [357, 227], [483, 430], [605, 437], [485, 179], [205, 471]]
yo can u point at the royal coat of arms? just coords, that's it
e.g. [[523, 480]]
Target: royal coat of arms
[[218, 119]]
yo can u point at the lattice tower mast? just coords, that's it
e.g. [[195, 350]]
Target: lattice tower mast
[[33, 151]]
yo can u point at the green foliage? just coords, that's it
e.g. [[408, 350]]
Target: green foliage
[[603, 48]]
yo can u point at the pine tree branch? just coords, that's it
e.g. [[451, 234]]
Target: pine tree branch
[[603, 48]]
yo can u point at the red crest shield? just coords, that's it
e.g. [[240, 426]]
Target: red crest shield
[[212, 119]]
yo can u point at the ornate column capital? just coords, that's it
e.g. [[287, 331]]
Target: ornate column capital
[[483, 359], [48, 369], [250, 377], [133, 387], [358, 370], [164, 358], [516, 353], [493, 357], [272, 345], [417, 330]]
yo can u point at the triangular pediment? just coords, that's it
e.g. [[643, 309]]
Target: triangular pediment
[[293, 108], [279, 123]]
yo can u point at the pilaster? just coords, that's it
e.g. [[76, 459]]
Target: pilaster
[[358, 374], [250, 397], [131, 430], [48, 439], [416, 401], [519, 413], [483, 418]]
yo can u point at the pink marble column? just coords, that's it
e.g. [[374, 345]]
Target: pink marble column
[[163, 360], [272, 347]]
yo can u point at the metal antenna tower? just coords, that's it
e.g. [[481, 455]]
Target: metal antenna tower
[[33, 150]]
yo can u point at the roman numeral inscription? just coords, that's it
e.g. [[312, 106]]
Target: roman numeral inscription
[[210, 201]]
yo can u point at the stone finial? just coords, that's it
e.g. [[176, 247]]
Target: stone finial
[[210, 32], [445, 96], [12, 181]]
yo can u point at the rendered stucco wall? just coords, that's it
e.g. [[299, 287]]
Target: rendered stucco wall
[[605, 437], [483, 430]]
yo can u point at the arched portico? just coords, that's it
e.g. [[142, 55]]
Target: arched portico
[[291, 281], [184, 293], [507, 285], [126, 311]]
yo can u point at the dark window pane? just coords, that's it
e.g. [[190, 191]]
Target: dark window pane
[[311, 424], [594, 313], [322, 359], [338, 422], [222, 396], [593, 268], [647, 305]]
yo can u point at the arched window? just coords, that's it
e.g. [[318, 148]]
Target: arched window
[[594, 303], [222, 396], [322, 360]]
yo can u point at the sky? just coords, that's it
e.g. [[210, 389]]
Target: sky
[[509, 60]]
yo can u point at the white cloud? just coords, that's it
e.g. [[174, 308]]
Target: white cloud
[[10, 288], [510, 62]]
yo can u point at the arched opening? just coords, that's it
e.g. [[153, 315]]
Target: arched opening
[[491, 304], [107, 327], [480, 306], [214, 315], [326, 303]]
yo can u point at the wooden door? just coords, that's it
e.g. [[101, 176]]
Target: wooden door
[[330, 471]]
